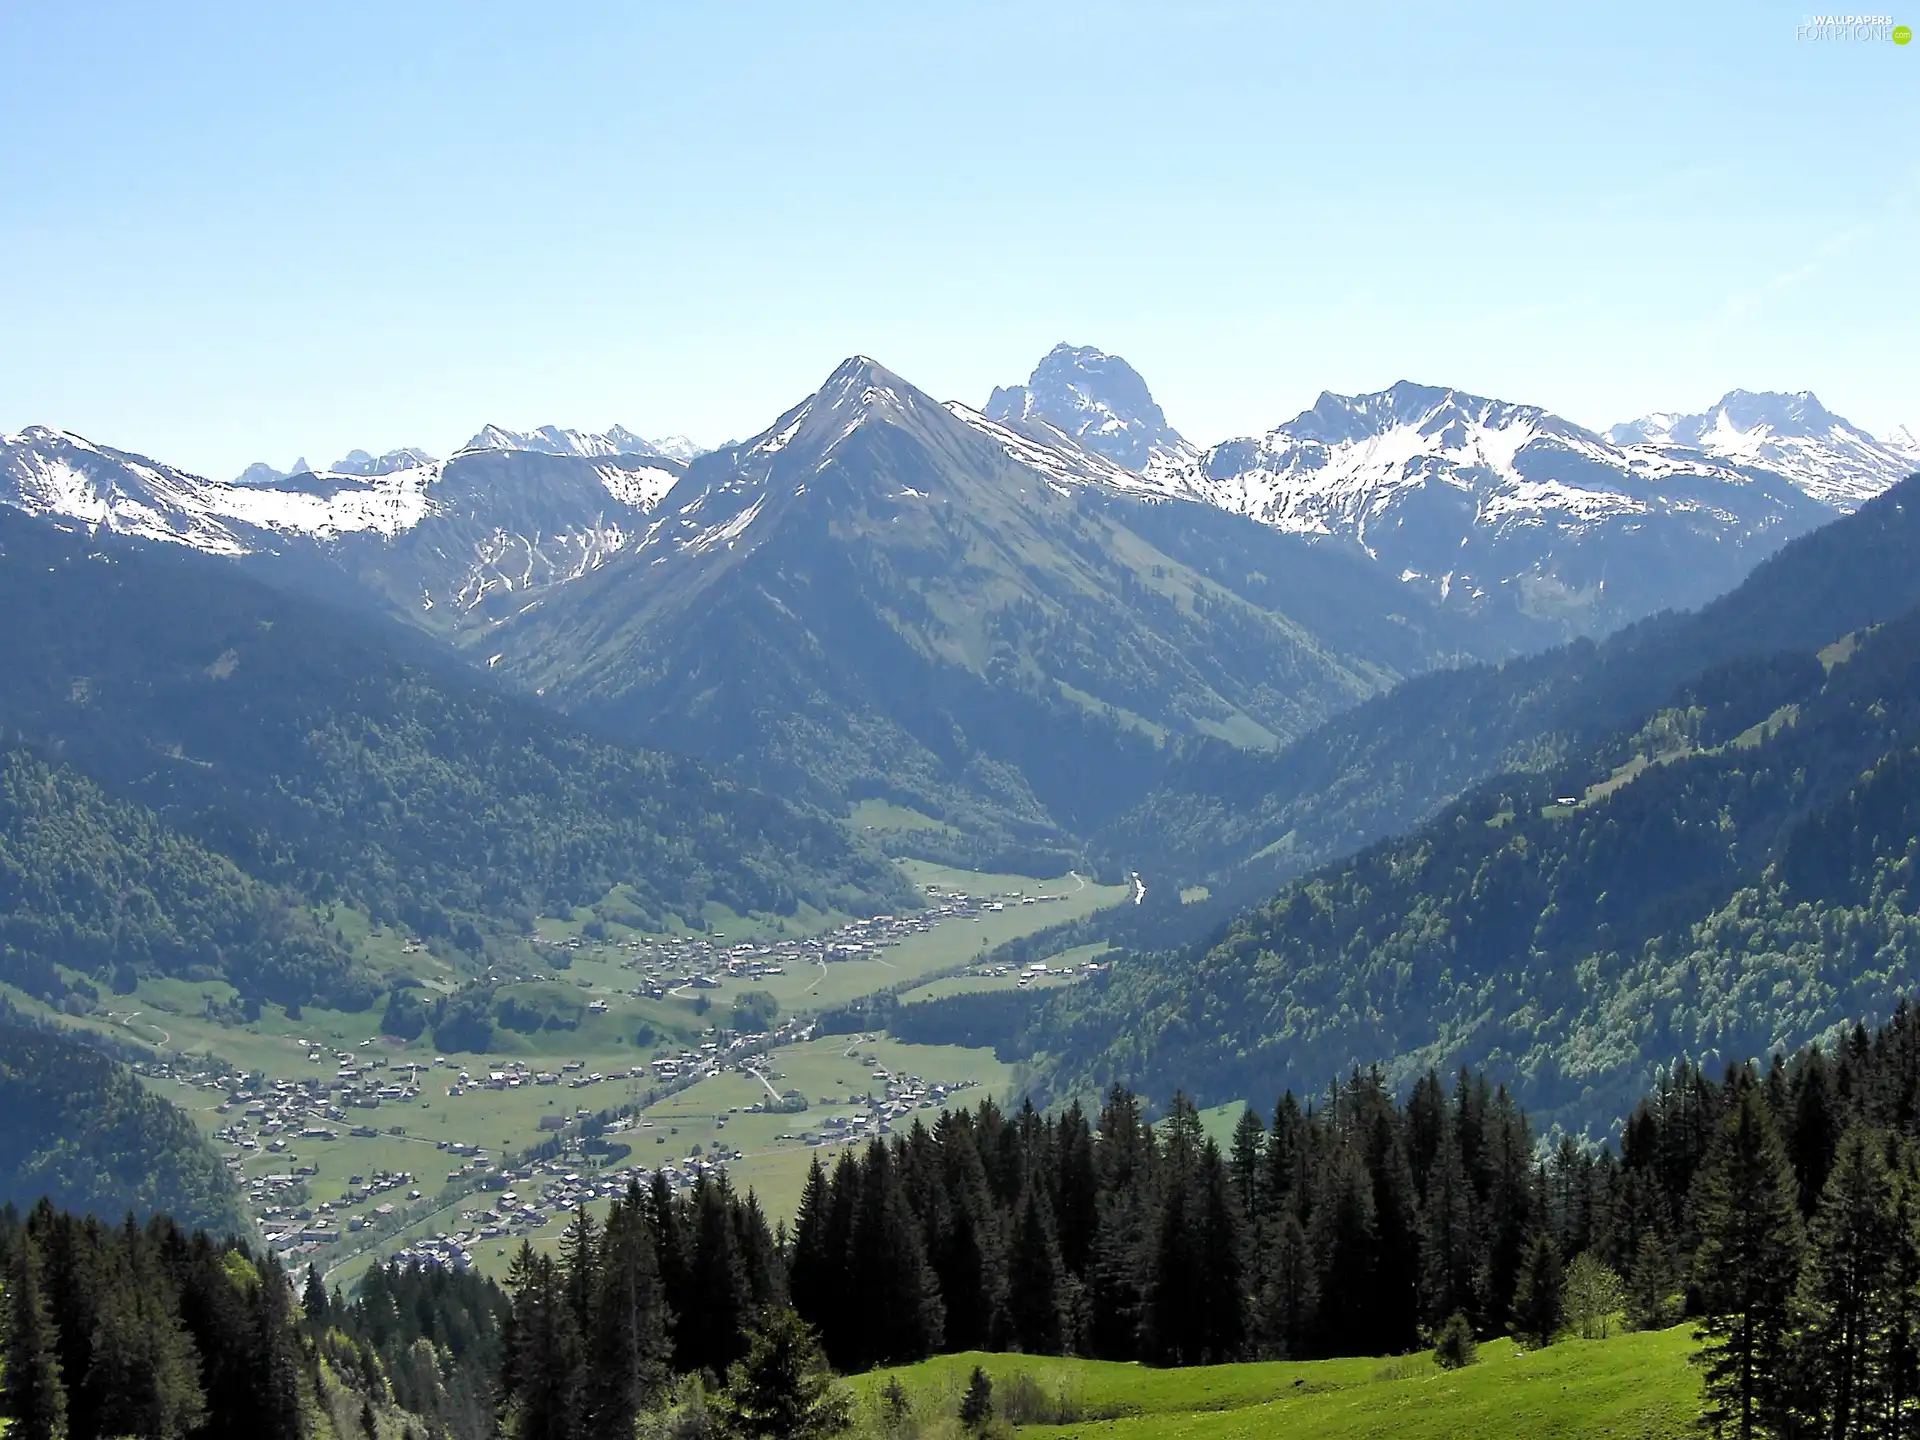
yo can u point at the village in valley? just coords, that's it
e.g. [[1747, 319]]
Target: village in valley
[[352, 1149]]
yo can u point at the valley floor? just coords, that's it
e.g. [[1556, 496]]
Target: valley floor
[[1639, 1386]]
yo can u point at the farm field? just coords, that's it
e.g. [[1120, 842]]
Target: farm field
[[1633, 1385]]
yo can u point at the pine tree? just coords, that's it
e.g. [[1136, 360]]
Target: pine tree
[[1746, 1265], [1539, 1293], [1842, 1343], [1033, 1280], [976, 1405], [782, 1389], [1651, 1301], [36, 1400], [627, 1349]]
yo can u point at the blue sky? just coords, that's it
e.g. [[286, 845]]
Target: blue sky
[[250, 231]]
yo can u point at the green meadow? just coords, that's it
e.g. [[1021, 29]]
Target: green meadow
[[1634, 1386]]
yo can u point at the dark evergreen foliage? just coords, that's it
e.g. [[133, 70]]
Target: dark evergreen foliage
[[81, 1130], [147, 1330]]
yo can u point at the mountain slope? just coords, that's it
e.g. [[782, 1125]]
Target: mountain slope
[[340, 757], [81, 1131], [1728, 870], [105, 888], [883, 596], [1244, 821]]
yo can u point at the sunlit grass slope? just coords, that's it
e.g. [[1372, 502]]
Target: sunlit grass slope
[[1634, 1386]]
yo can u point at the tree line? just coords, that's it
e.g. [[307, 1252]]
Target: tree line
[[146, 1330]]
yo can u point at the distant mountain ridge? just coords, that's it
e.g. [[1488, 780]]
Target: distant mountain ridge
[[1481, 504], [1486, 503], [1830, 459], [555, 440]]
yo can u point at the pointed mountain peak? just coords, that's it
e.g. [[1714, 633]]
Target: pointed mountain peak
[[865, 381], [1095, 398]]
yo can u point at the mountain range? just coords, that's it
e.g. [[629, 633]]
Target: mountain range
[[1422, 703], [1020, 621]]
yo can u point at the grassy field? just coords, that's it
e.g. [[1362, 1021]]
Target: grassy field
[[1634, 1386]]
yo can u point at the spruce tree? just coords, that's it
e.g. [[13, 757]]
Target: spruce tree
[[274, 1356], [900, 1315], [1538, 1296], [1651, 1285], [1033, 1280], [1843, 1343], [976, 1405], [36, 1398], [1248, 1160], [1220, 1289], [781, 1389], [1288, 1291], [1450, 1256], [1746, 1265], [627, 1349], [712, 1330], [1345, 1240]]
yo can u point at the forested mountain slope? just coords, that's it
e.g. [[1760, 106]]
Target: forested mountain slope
[[329, 759], [1245, 820], [1734, 872], [82, 1132], [104, 887]]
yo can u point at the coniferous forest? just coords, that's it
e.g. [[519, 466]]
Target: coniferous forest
[[1776, 1209]]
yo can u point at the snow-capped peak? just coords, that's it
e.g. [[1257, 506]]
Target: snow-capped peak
[[1099, 401], [1789, 434]]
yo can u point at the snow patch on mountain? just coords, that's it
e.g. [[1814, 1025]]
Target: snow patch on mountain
[[556, 440], [1791, 435]]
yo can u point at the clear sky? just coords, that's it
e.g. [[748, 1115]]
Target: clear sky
[[260, 230]]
